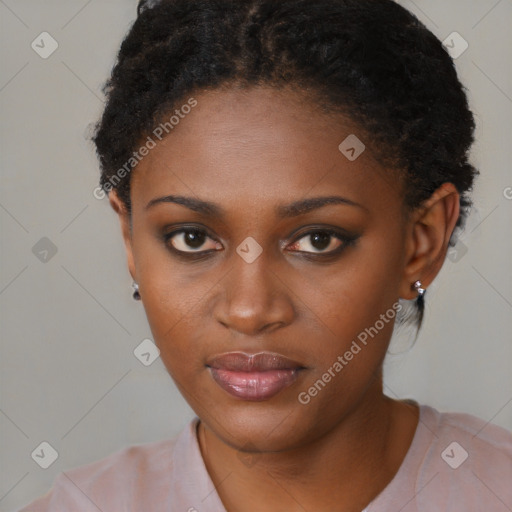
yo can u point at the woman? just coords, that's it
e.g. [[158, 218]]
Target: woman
[[288, 176]]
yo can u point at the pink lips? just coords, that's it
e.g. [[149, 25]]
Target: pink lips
[[254, 377]]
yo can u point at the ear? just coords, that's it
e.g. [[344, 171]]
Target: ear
[[428, 235], [124, 217]]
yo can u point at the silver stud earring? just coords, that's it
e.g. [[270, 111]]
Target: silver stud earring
[[136, 294], [418, 287]]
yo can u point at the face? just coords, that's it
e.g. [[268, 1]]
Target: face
[[249, 264]]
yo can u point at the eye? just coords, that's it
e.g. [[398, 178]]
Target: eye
[[191, 240], [196, 241], [320, 240]]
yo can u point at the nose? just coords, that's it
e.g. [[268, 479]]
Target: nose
[[254, 299]]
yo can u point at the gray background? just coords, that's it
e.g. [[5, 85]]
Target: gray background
[[69, 325]]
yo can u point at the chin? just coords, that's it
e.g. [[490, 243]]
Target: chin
[[260, 426]]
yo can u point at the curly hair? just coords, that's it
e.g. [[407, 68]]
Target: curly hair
[[370, 59]]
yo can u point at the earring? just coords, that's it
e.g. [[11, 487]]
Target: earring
[[136, 294], [409, 320], [418, 286]]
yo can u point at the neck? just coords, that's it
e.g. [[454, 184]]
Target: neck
[[351, 463]]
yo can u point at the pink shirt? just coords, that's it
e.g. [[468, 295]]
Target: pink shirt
[[456, 463]]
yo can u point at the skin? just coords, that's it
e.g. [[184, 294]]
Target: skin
[[248, 152]]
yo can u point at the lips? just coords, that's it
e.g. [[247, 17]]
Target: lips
[[253, 377], [260, 362]]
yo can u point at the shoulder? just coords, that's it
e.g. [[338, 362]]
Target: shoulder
[[481, 438], [133, 474], [467, 459]]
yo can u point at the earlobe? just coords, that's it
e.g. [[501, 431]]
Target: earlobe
[[428, 236], [124, 218]]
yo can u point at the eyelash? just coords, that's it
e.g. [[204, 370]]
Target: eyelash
[[347, 241]]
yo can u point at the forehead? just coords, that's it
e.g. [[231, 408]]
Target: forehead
[[261, 143]]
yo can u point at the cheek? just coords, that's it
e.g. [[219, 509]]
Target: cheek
[[171, 299], [357, 322]]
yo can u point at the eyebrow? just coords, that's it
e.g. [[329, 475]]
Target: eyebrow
[[294, 209]]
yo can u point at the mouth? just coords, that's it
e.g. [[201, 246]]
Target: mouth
[[253, 377]]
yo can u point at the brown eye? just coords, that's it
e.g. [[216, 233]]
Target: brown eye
[[191, 240], [316, 242]]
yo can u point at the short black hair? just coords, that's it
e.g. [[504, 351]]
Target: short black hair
[[370, 59]]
